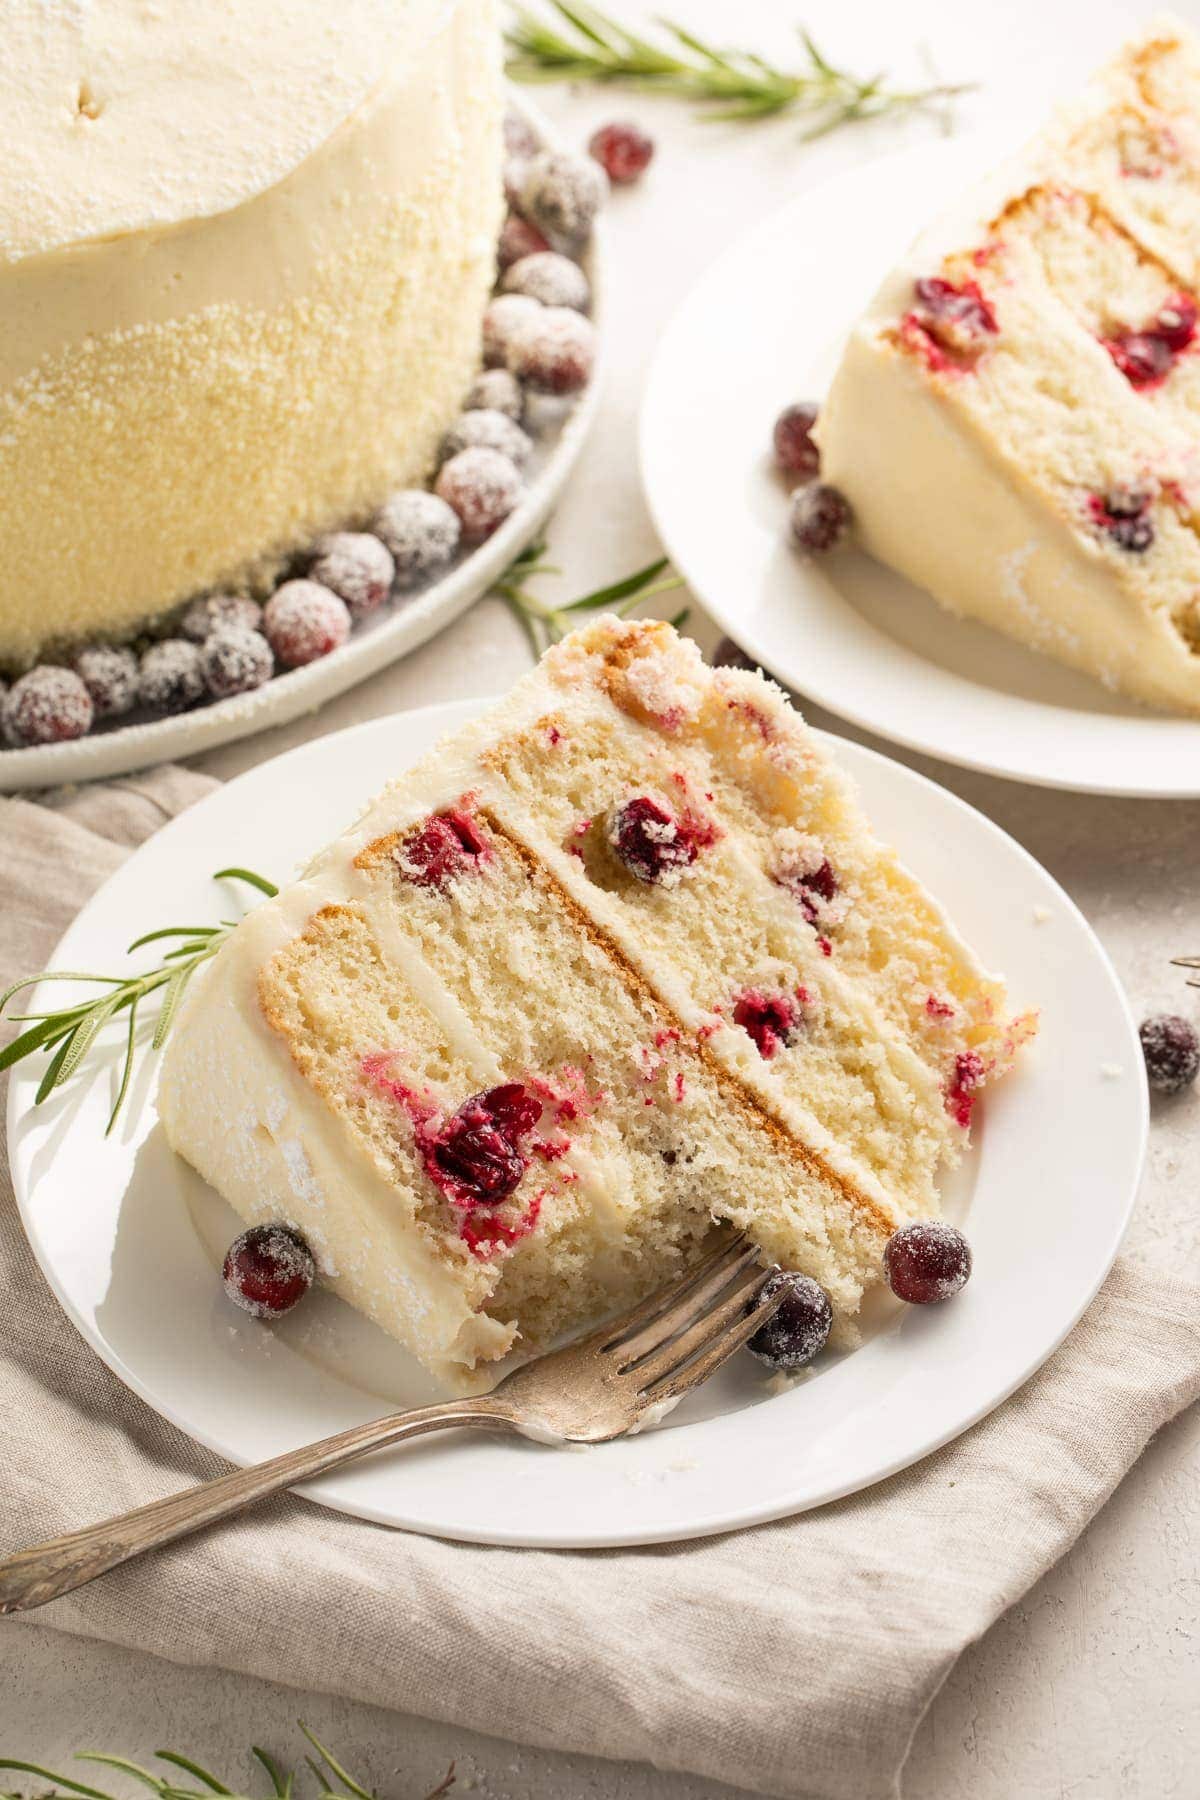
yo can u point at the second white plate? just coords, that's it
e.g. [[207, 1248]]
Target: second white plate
[[131, 1239], [763, 327]]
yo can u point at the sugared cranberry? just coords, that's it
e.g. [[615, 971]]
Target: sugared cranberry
[[479, 1148], [562, 194], [926, 1262], [553, 350], [109, 672], [623, 150], [1124, 514], [520, 139], [1146, 356], [483, 487], [235, 661], [549, 278], [47, 706], [772, 1020], [501, 319], [446, 846], [1172, 1052], [421, 532], [795, 451], [484, 429], [171, 677], [954, 321], [211, 610], [304, 621], [517, 238], [648, 839], [495, 390], [799, 1328], [820, 518], [356, 566], [267, 1270]]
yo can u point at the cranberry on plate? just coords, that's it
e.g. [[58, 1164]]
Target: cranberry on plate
[[268, 1270]]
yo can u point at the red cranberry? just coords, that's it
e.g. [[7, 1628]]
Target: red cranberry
[[772, 1020], [110, 675], [1172, 1052], [482, 486], [304, 621], [235, 661], [495, 390], [488, 430], [799, 1328], [501, 319], [421, 532], [953, 321], [267, 1270], [171, 677], [553, 350], [926, 1261], [962, 1089], [795, 451], [1147, 356], [446, 846], [623, 150], [650, 842], [211, 610], [479, 1149], [820, 518], [47, 706], [520, 139], [562, 194], [549, 278], [1125, 515], [517, 238], [356, 566]]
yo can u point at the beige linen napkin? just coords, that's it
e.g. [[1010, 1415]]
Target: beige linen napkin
[[793, 1659]]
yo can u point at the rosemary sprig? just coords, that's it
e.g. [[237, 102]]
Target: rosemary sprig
[[326, 1765], [67, 1033], [546, 624], [578, 42]]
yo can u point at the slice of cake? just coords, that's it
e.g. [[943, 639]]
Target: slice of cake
[[245, 249], [619, 958], [1016, 420]]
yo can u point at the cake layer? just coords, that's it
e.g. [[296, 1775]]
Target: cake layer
[[1013, 420], [492, 978], [239, 307]]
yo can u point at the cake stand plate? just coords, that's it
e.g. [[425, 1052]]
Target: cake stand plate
[[846, 631], [1046, 1192], [375, 643]]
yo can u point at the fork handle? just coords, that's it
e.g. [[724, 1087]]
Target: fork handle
[[44, 1571]]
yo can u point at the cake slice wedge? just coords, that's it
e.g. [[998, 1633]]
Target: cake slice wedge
[[1014, 419], [620, 958]]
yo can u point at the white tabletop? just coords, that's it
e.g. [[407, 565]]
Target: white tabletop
[[1086, 1689]]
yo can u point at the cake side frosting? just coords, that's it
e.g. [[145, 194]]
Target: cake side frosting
[[1012, 419], [278, 336]]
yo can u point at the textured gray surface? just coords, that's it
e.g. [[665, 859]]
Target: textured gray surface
[[1087, 1689]]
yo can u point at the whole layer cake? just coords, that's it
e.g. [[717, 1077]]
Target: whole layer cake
[[244, 253], [621, 958], [1016, 420]]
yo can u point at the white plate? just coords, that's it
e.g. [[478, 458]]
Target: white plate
[[382, 639], [763, 327], [130, 1239]]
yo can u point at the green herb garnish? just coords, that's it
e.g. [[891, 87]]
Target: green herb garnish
[[546, 624]]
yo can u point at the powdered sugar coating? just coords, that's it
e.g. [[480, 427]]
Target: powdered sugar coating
[[800, 1326], [305, 621], [356, 566], [49, 705], [496, 390], [171, 677], [553, 279], [562, 193], [236, 661], [552, 350], [517, 238], [484, 429], [483, 487], [502, 318], [421, 531], [109, 672], [211, 610]]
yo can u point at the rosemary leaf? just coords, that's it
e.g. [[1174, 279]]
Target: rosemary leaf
[[168, 931], [281, 1783], [256, 881], [53, 1071], [126, 1069], [183, 1762], [331, 1762], [76, 1787], [170, 1001], [33, 1039]]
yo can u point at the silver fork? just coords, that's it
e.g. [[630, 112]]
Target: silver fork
[[628, 1371]]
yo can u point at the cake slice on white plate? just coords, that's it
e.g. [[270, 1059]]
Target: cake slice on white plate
[[619, 958], [1015, 421]]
